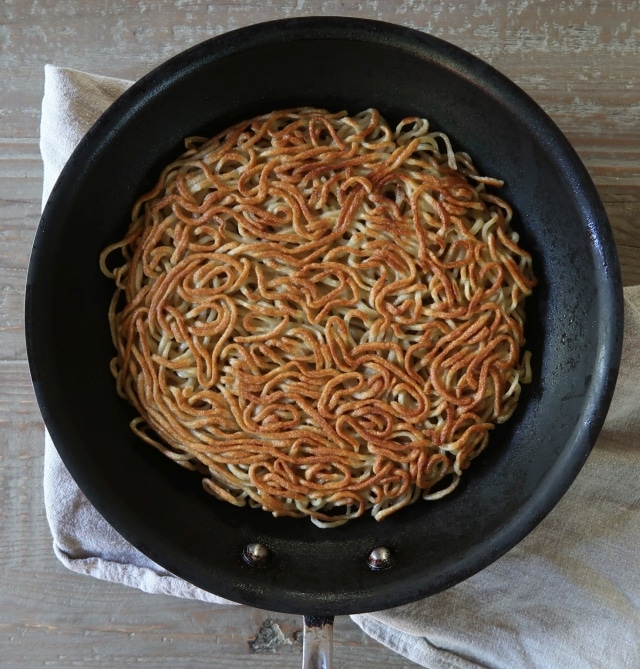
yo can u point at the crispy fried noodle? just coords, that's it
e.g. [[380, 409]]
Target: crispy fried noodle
[[321, 314]]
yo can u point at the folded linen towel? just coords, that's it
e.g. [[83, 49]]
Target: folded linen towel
[[566, 597]]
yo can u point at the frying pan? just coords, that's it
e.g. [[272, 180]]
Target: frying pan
[[574, 319]]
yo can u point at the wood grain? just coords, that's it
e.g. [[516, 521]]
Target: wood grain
[[577, 59]]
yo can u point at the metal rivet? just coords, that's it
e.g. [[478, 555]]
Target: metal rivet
[[255, 554], [380, 558]]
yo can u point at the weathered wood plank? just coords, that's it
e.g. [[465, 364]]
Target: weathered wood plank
[[12, 345], [20, 170]]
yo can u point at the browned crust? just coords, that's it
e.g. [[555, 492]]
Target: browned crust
[[321, 314]]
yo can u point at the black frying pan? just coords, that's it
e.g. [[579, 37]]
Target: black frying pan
[[574, 319]]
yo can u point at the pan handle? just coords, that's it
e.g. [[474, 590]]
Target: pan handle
[[317, 642]]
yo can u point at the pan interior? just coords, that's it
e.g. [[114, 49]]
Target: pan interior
[[573, 319]]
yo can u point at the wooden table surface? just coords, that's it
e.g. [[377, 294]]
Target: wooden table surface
[[580, 60]]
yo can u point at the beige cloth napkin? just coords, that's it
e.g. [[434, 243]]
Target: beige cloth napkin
[[567, 597]]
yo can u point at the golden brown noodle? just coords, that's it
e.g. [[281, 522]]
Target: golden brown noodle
[[321, 314]]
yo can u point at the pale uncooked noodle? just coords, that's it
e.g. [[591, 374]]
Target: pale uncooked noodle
[[321, 314]]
